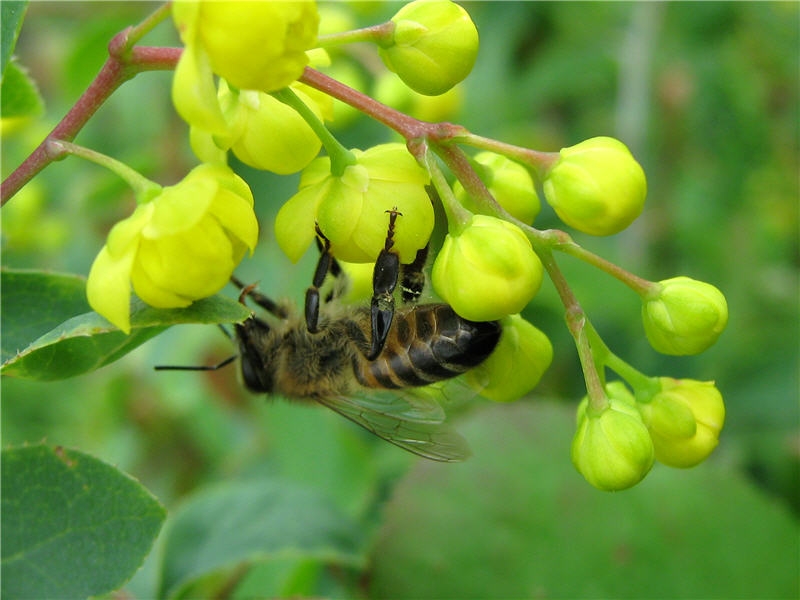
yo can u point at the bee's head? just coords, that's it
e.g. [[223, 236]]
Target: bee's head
[[255, 350]]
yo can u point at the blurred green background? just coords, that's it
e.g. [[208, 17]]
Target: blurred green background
[[706, 97]]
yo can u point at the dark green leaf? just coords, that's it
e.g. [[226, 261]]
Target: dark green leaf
[[72, 526], [11, 15], [47, 333], [19, 96], [238, 524], [34, 302], [517, 521]]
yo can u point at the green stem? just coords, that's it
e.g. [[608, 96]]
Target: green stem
[[144, 188], [581, 330], [137, 32], [637, 284], [457, 215], [643, 386], [539, 162], [123, 63], [376, 34], [341, 157]]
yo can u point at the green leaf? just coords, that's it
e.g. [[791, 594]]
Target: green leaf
[[238, 524], [34, 302], [12, 14], [48, 333], [72, 526], [517, 521], [19, 96]]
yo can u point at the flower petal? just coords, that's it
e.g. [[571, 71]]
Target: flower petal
[[108, 287]]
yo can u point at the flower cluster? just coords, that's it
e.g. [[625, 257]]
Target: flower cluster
[[236, 85]]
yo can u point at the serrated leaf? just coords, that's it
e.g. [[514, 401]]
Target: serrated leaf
[[19, 96], [72, 525], [48, 333], [12, 13], [236, 524], [517, 521]]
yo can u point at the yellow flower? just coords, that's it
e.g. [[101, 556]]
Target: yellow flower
[[176, 248], [253, 45], [267, 134], [352, 209]]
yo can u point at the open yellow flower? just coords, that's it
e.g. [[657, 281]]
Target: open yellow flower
[[176, 248], [351, 209]]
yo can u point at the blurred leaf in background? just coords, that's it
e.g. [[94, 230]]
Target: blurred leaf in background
[[706, 96]]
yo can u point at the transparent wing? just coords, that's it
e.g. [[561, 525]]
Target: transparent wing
[[414, 424], [455, 393]]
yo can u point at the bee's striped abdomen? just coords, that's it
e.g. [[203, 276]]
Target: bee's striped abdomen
[[428, 343]]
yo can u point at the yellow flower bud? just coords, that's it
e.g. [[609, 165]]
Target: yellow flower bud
[[253, 45], [267, 134], [685, 419], [596, 186], [517, 363], [612, 449], [684, 316], [488, 270], [433, 47], [351, 210], [176, 248], [510, 184]]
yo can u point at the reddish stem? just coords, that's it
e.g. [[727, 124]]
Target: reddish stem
[[121, 65], [409, 127]]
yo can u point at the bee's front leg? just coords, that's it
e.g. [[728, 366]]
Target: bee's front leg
[[384, 281]]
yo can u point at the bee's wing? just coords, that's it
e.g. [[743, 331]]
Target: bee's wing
[[414, 426], [406, 404]]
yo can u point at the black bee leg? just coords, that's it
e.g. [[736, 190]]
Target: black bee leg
[[384, 281], [260, 299], [325, 264], [335, 268], [413, 280]]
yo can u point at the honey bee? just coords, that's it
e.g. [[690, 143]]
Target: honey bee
[[425, 344], [360, 361]]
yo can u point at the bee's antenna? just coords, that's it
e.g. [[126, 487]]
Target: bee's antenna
[[224, 363]]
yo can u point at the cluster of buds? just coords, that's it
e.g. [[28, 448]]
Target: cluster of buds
[[675, 422], [236, 85]]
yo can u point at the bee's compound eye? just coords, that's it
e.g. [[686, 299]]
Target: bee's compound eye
[[256, 376]]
